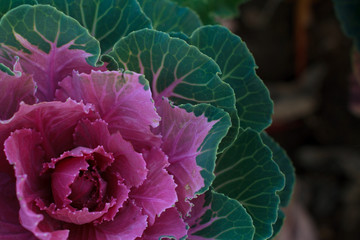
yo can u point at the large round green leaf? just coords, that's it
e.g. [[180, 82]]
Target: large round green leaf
[[247, 172], [178, 71], [49, 44], [167, 16], [6, 5], [107, 21], [215, 216], [237, 65], [285, 165], [278, 224]]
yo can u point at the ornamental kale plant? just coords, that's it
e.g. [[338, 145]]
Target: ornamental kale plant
[[125, 119]]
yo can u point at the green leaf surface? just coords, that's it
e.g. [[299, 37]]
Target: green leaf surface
[[246, 172], [237, 65], [348, 12], [48, 43], [107, 21], [285, 165], [215, 216], [209, 10], [208, 149], [278, 224], [178, 71], [6, 5], [43, 25], [180, 35], [167, 16]]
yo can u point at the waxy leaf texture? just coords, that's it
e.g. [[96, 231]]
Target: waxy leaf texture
[[125, 119]]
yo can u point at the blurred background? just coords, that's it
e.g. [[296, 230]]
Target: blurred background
[[305, 60]]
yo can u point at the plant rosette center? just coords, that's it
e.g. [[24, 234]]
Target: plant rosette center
[[77, 184]]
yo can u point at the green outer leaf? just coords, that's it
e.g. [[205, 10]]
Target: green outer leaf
[[209, 10], [348, 12], [48, 44], [6, 5], [237, 64], [43, 24], [112, 65], [286, 167], [246, 172], [180, 35], [167, 16], [208, 149], [177, 71], [107, 21], [224, 218], [278, 224]]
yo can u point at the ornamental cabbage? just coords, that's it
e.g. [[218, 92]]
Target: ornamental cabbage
[[120, 122]]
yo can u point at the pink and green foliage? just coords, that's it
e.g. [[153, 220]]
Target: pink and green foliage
[[91, 149], [16, 87]]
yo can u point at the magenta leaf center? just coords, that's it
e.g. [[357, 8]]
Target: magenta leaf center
[[88, 189]]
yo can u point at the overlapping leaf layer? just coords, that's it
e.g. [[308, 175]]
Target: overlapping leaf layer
[[214, 122]]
